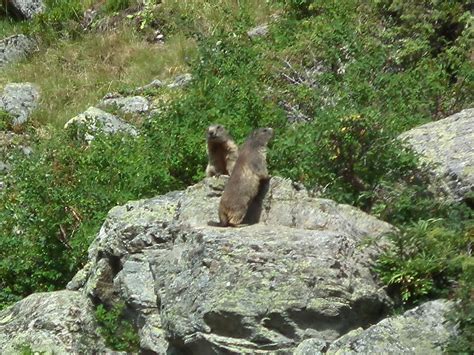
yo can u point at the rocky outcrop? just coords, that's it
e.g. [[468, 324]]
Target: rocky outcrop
[[302, 272], [15, 48], [94, 120], [448, 145], [19, 100], [59, 322], [25, 9], [126, 104], [422, 330]]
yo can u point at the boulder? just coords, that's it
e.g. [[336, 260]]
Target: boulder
[[59, 322], [303, 271], [94, 120], [259, 31], [155, 84], [422, 330], [19, 100], [15, 48], [181, 81], [25, 9], [127, 104], [448, 145]]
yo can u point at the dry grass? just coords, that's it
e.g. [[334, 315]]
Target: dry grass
[[207, 16], [73, 75]]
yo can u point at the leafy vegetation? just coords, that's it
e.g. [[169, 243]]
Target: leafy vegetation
[[118, 333], [351, 76]]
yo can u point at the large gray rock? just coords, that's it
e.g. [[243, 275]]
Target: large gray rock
[[15, 48], [59, 322], [26, 9], [448, 144], [422, 330], [95, 120], [303, 271], [19, 100]]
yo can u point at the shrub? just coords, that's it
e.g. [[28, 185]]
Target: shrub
[[56, 201], [427, 258], [116, 5], [119, 334], [60, 20]]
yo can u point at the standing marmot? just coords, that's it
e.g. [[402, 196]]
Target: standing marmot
[[244, 182], [221, 151]]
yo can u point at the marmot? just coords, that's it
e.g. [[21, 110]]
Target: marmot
[[244, 182], [222, 151]]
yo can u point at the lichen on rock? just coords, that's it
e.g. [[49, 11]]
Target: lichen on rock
[[303, 270], [448, 145]]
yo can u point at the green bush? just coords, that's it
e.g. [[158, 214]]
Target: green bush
[[119, 334], [61, 19], [116, 5], [464, 310], [56, 201], [426, 259]]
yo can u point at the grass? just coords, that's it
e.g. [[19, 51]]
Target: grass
[[9, 27], [72, 75], [206, 17]]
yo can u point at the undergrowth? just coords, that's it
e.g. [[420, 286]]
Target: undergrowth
[[119, 333]]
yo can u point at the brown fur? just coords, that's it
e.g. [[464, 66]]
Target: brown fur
[[222, 151], [244, 182]]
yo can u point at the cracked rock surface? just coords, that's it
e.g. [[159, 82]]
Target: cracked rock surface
[[59, 322], [303, 271]]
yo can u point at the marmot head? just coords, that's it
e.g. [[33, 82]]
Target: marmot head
[[217, 133], [261, 136]]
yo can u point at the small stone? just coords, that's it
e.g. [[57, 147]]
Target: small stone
[[259, 31]]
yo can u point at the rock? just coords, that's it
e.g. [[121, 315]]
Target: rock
[[311, 347], [259, 31], [181, 81], [303, 271], [25, 9], [15, 48], [94, 120], [56, 322], [155, 84], [4, 167], [128, 104], [422, 330], [448, 144], [19, 100]]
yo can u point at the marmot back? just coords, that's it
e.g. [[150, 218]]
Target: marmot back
[[222, 151], [244, 182]]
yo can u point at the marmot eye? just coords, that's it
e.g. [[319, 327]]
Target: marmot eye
[[219, 126]]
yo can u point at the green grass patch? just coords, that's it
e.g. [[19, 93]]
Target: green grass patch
[[73, 75]]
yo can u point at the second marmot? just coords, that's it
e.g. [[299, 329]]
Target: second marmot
[[244, 182], [221, 151]]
